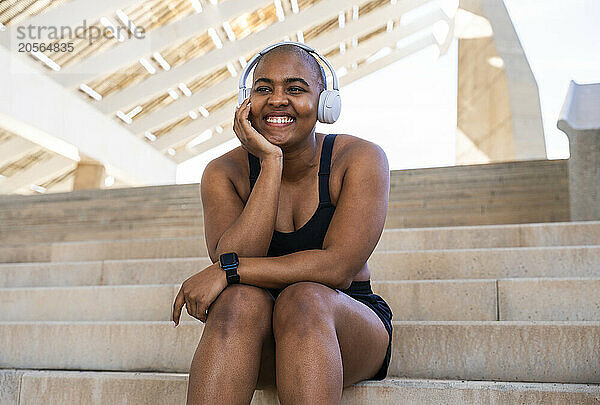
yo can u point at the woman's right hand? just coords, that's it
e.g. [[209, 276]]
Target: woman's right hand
[[252, 141]]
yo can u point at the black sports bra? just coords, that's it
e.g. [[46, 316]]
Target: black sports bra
[[311, 234]]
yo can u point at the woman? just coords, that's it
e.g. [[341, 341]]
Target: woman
[[302, 318]]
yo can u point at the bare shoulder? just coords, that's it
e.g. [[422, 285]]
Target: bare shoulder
[[231, 166], [359, 151], [229, 163]]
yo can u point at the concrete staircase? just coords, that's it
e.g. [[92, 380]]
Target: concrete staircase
[[488, 314], [499, 193]]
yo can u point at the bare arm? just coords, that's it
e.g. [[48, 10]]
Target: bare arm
[[230, 226]]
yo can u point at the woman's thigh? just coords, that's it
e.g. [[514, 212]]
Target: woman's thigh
[[361, 335]]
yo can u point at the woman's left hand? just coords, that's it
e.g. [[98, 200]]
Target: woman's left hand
[[199, 291]]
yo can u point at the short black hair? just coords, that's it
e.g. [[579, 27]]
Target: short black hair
[[306, 57]]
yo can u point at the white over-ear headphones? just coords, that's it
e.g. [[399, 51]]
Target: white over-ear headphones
[[330, 103]]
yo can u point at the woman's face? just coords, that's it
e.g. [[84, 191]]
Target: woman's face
[[284, 98]]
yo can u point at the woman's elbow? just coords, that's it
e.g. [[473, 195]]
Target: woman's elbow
[[341, 282]]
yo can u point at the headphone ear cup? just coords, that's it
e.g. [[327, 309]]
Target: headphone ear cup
[[243, 94], [330, 106]]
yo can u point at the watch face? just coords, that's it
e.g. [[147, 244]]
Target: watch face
[[228, 259]]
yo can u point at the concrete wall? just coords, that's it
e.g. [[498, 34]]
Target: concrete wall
[[499, 116], [501, 193], [484, 128]]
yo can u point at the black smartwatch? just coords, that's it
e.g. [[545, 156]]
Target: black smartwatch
[[229, 263]]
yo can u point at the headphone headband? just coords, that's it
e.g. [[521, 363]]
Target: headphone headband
[[256, 58]]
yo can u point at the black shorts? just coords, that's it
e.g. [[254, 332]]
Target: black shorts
[[361, 291]]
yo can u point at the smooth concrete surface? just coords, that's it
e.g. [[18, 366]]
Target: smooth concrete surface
[[502, 193], [102, 388], [479, 350], [491, 236], [541, 299], [26, 253], [109, 272], [90, 303], [566, 352], [186, 246], [133, 249], [510, 235], [573, 261], [446, 287], [549, 299], [395, 391], [46, 274], [149, 228], [126, 346], [432, 300], [526, 116], [108, 388], [159, 271], [484, 129], [455, 237], [510, 192], [580, 120], [109, 194], [584, 176], [409, 300]]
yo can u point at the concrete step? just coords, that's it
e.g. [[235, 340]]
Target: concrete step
[[534, 299], [461, 237], [110, 272], [552, 262], [524, 262], [561, 352], [88, 232], [411, 218], [501, 351], [110, 194], [105, 209], [418, 196], [432, 300], [26, 236], [192, 246], [25, 387], [492, 236]]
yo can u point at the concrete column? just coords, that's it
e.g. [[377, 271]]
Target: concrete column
[[580, 120], [88, 175], [499, 116], [484, 126]]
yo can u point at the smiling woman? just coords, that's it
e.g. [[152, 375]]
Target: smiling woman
[[291, 218]]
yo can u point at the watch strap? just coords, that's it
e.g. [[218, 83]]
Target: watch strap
[[232, 276]]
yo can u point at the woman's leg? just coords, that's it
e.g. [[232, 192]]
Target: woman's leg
[[324, 341], [226, 365]]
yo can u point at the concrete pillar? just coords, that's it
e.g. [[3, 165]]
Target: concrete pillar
[[484, 126], [499, 116], [89, 174], [580, 120]]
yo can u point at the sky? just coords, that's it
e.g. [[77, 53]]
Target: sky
[[409, 107]]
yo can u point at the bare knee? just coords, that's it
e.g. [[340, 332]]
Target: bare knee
[[241, 308], [302, 308]]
